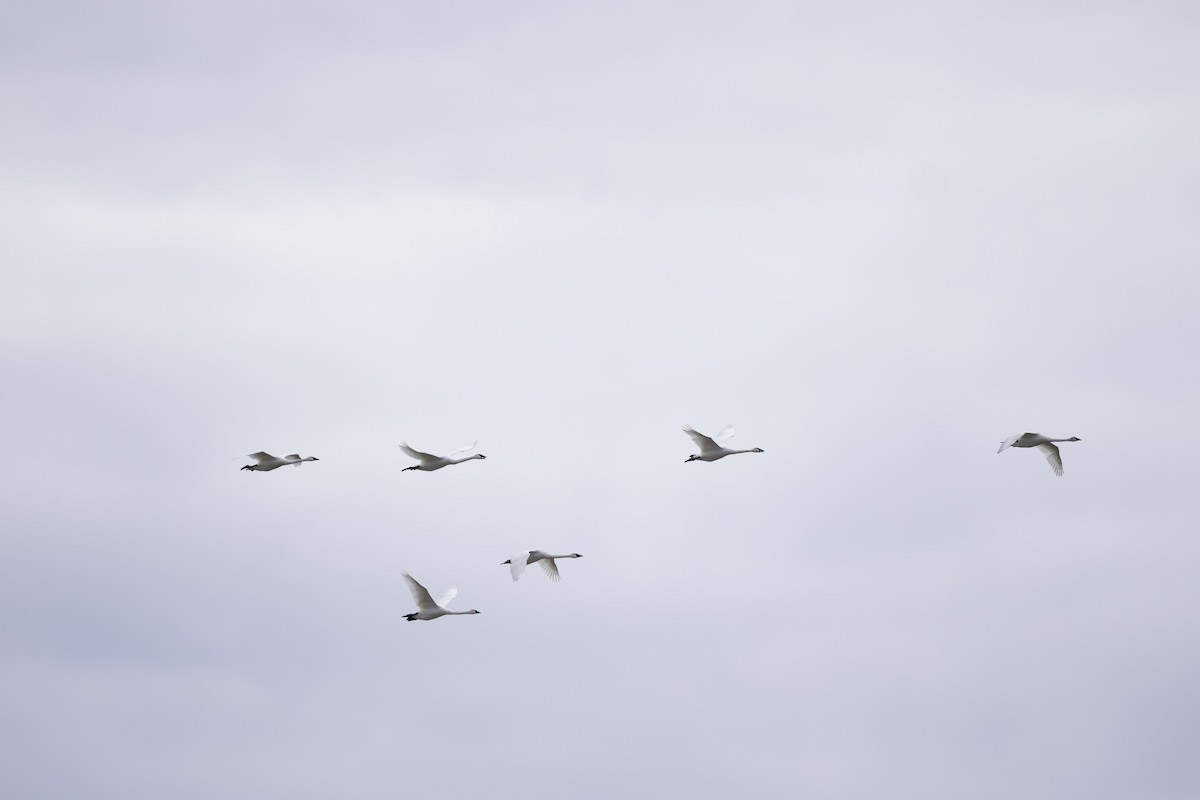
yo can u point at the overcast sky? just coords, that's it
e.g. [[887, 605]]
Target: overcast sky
[[879, 238]]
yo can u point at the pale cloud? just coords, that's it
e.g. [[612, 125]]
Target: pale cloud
[[877, 239]]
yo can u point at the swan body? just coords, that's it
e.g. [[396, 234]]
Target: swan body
[[427, 609], [265, 462], [710, 450], [431, 462], [517, 565], [1043, 443]]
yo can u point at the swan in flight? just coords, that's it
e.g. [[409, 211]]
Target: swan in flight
[[709, 449], [426, 608], [431, 462], [265, 462], [518, 564], [1043, 443]]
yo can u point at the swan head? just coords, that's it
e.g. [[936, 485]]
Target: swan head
[[472, 611], [576, 555], [1074, 439], [479, 455], [758, 450]]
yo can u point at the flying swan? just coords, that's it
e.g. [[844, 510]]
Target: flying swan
[[265, 462], [709, 449], [426, 608], [1043, 443], [431, 462], [517, 565]]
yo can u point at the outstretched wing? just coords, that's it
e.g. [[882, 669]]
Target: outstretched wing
[[1052, 455], [466, 449], [292, 457], [450, 594], [1007, 443], [705, 444], [724, 434], [550, 568], [261, 457], [417, 454], [517, 565], [420, 594]]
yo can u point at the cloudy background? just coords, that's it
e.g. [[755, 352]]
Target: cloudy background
[[878, 238]]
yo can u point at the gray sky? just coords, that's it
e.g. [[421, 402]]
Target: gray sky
[[878, 238]]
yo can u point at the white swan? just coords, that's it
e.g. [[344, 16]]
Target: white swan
[[426, 608], [430, 462], [1044, 443], [265, 462], [709, 449], [517, 565]]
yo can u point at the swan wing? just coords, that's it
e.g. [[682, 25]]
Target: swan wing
[[466, 449], [1007, 443], [292, 457], [724, 434], [417, 454], [420, 594], [261, 456], [517, 566], [550, 568], [1052, 455], [450, 594], [705, 444]]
